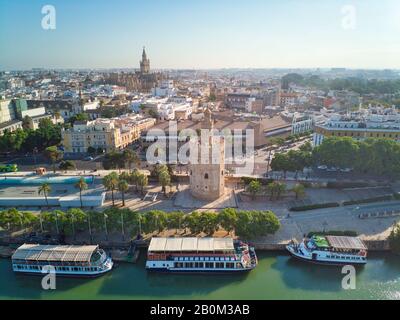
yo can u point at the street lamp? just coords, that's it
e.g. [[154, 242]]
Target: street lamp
[[90, 228], [41, 221], [325, 224], [105, 225], [35, 151], [122, 226], [73, 226], [56, 215]]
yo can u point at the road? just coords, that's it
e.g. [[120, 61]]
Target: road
[[352, 211]]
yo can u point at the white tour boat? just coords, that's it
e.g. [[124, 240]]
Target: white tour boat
[[200, 255], [78, 261], [334, 250]]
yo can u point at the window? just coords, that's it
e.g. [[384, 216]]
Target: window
[[206, 176]]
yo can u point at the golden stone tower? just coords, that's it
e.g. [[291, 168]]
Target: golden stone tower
[[207, 176]]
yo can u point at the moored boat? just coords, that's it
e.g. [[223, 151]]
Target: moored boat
[[76, 261], [330, 250], [200, 255]]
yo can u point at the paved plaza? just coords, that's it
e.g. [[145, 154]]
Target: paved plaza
[[185, 200]]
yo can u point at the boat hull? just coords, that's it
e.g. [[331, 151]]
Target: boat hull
[[323, 262], [164, 270], [63, 275], [69, 274]]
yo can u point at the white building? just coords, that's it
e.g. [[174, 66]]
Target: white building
[[165, 89]]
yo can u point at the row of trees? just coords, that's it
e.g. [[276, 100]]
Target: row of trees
[[274, 189], [120, 182], [371, 156], [359, 85], [26, 140], [114, 182], [294, 160], [246, 224], [45, 189], [125, 159]]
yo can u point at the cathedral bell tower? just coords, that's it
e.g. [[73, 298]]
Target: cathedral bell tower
[[145, 63]]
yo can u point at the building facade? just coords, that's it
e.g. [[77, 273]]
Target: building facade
[[360, 125], [103, 134]]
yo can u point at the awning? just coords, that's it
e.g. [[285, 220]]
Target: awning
[[349, 243], [35, 252], [190, 244]]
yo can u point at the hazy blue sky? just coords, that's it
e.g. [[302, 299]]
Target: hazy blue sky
[[200, 34]]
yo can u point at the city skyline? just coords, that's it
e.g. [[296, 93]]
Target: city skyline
[[202, 35]]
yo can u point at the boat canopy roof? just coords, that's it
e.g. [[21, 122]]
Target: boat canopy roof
[[36, 252], [341, 242], [191, 244]]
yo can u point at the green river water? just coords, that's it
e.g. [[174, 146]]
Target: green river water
[[277, 277]]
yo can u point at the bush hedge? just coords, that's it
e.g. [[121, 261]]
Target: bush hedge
[[315, 206], [369, 200], [343, 185], [349, 233]]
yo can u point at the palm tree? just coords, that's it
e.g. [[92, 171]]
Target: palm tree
[[280, 188], [81, 185], [123, 187], [45, 189], [299, 190], [54, 155], [110, 182], [254, 188], [271, 189], [134, 178], [71, 216], [129, 157], [165, 180], [143, 181]]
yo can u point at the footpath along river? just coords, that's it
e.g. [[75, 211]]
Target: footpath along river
[[278, 276]]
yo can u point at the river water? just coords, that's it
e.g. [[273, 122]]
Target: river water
[[278, 276]]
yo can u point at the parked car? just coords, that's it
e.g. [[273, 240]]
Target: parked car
[[323, 167], [88, 158]]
